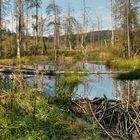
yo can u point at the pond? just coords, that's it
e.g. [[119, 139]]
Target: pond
[[99, 85], [95, 85]]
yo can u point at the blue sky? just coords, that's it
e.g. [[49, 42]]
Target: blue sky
[[95, 8], [100, 8]]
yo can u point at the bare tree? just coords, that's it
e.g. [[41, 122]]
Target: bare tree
[[84, 30], [19, 27], [35, 4], [26, 23], [0, 27], [78, 31], [70, 23], [126, 17], [41, 31], [112, 22], [54, 9], [98, 27], [27, 16], [128, 27]]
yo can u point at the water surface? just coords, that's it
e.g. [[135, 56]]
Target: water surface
[[96, 85]]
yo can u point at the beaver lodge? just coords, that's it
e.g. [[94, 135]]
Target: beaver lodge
[[120, 120]]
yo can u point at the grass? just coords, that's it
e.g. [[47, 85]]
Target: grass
[[131, 64], [126, 63], [26, 114], [112, 58], [131, 75], [49, 123], [65, 56], [23, 60]]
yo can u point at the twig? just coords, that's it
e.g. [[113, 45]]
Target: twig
[[111, 118], [4, 96], [99, 122], [103, 112], [80, 107]]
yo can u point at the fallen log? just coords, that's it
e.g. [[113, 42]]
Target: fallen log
[[49, 72], [44, 70]]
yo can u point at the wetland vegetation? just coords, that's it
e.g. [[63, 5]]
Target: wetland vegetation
[[56, 69]]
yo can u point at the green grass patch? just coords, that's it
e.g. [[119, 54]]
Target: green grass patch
[[24, 60], [126, 63], [91, 56], [132, 75], [78, 56]]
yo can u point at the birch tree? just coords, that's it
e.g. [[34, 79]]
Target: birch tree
[[54, 10]]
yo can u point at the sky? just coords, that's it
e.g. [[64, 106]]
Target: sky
[[95, 8]]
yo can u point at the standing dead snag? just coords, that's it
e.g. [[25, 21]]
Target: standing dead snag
[[19, 27], [112, 22], [0, 27], [54, 9], [128, 5]]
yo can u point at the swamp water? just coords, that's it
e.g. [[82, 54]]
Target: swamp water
[[95, 85]]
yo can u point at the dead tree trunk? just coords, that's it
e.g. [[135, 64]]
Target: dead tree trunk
[[84, 30], [56, 30], [128, 28], [26, 25], [19, 28], [36, 29], [112, 22], [0, 27]]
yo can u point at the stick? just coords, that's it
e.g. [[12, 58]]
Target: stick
[[99, 122]]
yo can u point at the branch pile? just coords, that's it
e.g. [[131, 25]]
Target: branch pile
[[118, 119]]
